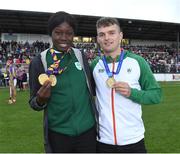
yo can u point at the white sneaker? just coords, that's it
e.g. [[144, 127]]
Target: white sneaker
[[10, 101]]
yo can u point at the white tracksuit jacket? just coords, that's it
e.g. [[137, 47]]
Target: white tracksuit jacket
[[120, 118]]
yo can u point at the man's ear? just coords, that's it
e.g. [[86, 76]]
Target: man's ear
[[121, 35], [97, 39]]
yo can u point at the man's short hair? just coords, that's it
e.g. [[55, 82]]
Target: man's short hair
[[107, 21]]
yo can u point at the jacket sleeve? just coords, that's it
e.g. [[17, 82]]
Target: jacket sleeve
[[35, 69], [150, 92]]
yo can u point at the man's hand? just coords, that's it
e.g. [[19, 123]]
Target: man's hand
[[44, 93], [123, 88]]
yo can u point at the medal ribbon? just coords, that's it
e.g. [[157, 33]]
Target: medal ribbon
[[110, 74], [54, 68]]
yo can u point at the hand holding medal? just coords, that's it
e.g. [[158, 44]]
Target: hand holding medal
[[53, 70], [123, 88], [44, 77]]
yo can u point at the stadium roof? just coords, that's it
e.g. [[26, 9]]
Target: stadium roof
[[14, 21]]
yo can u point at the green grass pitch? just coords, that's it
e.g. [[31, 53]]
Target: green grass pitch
[[21, 127]]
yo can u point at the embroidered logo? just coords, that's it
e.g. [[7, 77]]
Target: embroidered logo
[[101, 70], [129, 70], [78, 65]]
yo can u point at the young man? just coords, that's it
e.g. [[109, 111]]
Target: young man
[[63, 91], [124, 82]]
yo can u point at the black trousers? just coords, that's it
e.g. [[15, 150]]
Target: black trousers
[[138, 147], [84, 143]]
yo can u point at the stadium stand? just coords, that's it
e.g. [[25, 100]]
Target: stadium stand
[[24, 34]]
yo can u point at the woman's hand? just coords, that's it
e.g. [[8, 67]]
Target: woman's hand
[[44, 92]]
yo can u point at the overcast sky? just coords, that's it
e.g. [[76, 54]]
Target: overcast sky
[[155, 10]]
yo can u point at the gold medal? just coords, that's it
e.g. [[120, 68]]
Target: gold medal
[[53, 80], [42, 78], [110, 81]]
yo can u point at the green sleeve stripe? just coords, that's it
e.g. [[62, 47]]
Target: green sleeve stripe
[[150, 92]]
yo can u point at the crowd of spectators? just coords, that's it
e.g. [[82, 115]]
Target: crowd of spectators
[[20, 54], [20, 50], [162, 59]]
